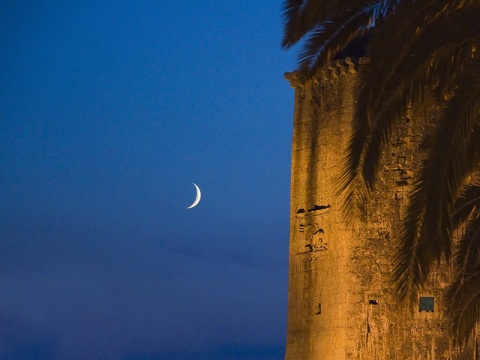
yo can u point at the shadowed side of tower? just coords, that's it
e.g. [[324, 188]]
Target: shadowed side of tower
[[341, 301]]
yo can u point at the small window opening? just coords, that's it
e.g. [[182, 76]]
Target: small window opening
[[427, 303], [372, 302], [318, 309]]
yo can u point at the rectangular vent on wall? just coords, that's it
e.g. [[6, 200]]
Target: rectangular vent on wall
[[427, 303]]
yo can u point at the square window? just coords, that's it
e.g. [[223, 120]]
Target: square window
[[427, 303]]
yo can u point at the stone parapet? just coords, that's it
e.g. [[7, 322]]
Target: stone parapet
[[334, 70]]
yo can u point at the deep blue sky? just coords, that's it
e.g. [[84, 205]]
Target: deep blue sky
[[109, 110]]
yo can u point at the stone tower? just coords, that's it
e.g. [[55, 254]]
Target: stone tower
[[341, 303]]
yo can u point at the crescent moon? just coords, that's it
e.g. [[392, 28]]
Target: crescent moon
[[197, 198]]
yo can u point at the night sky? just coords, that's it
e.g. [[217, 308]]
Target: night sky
[[109, 111]]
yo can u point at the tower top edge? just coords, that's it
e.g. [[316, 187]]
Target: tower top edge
[[335, 69]]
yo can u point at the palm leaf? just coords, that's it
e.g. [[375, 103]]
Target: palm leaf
[[420, 80], [467, 204], [388, 119], [331, 26], [328, 40], [428, 225], [467, 254], [410, 270], [391, 43], [463, 301], [372, 79], [292, 30]]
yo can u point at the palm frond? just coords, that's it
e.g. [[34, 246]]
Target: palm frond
[[302, 16], [388, 118], [463, 294], [351, 185], [332, 25], [463, 301], [409, 36], [413, 84], [447, 169], [434, 193], [382, 59], [446, 42], [327, 40], [467, 254], [391, 43], [473, 149], [292, 29], [446, 64], [467, 204], [411, 269]]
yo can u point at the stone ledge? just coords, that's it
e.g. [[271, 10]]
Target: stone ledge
[[334, 70]]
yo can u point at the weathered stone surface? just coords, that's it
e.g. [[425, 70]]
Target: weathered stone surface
[[341, 300]]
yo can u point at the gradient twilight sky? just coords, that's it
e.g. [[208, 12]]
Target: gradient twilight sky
[[109, 110]]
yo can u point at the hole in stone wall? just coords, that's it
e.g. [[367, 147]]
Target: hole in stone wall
[[319, 207], [427, 303], [372, 302], [318, 308]]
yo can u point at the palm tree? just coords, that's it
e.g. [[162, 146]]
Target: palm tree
[[418, 50]]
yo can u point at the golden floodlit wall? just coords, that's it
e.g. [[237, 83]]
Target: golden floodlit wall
[[341, 302]]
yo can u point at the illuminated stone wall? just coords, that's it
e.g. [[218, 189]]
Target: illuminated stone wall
[[341, 302]]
